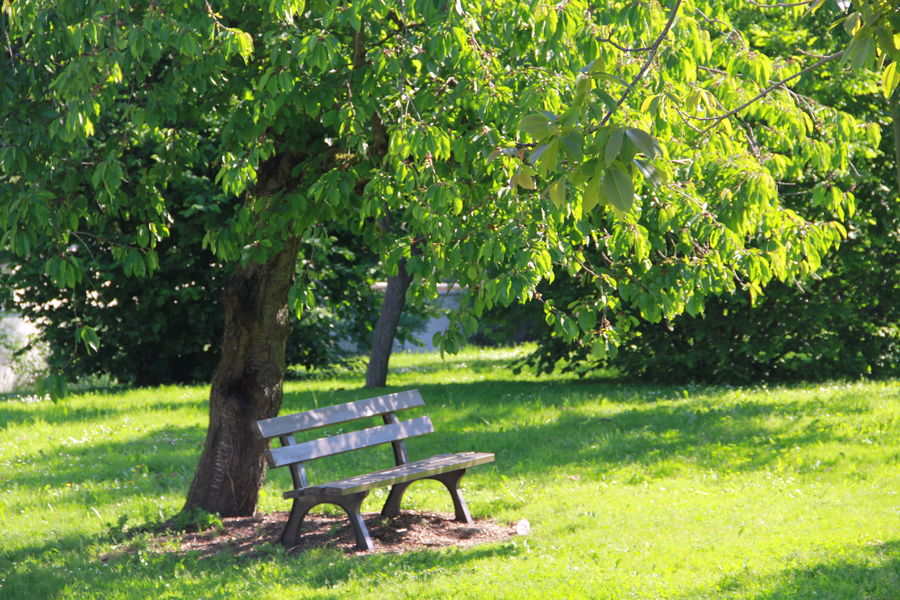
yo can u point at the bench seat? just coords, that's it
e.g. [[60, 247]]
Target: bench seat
[[420, 469]]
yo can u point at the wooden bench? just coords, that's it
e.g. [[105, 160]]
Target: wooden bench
[[349, 493]]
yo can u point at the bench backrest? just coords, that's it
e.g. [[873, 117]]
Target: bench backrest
[[393, 431]]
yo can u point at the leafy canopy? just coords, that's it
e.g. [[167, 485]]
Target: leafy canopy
[[842, 320], [645, 145]]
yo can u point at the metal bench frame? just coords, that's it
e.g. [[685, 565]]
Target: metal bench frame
[[349, 493]]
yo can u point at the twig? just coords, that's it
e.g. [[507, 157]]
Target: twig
[[712, 70], [12, 60], [783, 4], [623, 48], [654, 47], [718, 119]]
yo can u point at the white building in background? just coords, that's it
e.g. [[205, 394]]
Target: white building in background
[[15, 332], [449, 297]]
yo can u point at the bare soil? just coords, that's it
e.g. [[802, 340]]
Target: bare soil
[[247, 536]]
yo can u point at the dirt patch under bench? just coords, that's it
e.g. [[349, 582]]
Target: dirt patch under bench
[[247, 536]]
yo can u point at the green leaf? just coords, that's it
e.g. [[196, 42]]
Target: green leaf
[[618, 187], [606, 98], [852, 23], [600, 75], [613, 146], [538, 126], [591, 196], [693, 100], [886, 42], [582, 89], [90, 339], [351, 14], [645, 142], [695, 305], [650, 104], [536, 155], [457, 204], [546, 156], [650, 173], [573, 143], [524, 178], [245, 44], [860, 52], [143, 237], [550, 159], [890, 78], [558, 192], [54, 386], [587, 319]]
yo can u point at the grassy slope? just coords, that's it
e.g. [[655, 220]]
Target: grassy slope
[[632, 491]]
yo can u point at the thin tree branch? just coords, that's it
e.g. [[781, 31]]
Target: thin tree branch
[[654, 47], [783, 4], [718, 119], [618, 46]]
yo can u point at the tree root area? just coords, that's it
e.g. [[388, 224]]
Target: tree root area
[[249, 536]]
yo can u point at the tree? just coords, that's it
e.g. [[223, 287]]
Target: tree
[[328, 112], [842, 320], [165, 329], [386, 327], [158, 330]]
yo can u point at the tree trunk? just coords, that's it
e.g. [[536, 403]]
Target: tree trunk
[[246, 387], [386, 328]]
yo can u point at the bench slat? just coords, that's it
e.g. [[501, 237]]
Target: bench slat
[[345, 442], [340, 413], [399, 474]]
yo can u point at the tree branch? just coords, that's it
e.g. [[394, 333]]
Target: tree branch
[[618, 46], [653, 48], [718, 119], [782, 4]]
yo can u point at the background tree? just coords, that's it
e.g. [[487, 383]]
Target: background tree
[[166, 328], [155, 330], [844, 324], [321, 112]]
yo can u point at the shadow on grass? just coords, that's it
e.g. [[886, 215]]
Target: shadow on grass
[[596, 427], [533, 428], [874, 575], [14, 411], [94, 477], [146, 573]]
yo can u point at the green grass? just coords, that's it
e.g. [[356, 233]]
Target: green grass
[[632, 491]]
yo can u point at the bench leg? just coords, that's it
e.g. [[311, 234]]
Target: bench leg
[[451, 482], [299, 510], [351, 504], [392, 505]]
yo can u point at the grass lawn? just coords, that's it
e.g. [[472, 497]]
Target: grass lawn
[[632, 491]]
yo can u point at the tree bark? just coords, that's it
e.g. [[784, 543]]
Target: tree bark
[[386, 328], [246, 387]]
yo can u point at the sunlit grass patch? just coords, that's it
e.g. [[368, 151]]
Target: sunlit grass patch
[[632, 491]]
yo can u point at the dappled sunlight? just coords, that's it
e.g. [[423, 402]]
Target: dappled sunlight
[[613, 477], [848, 572]]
